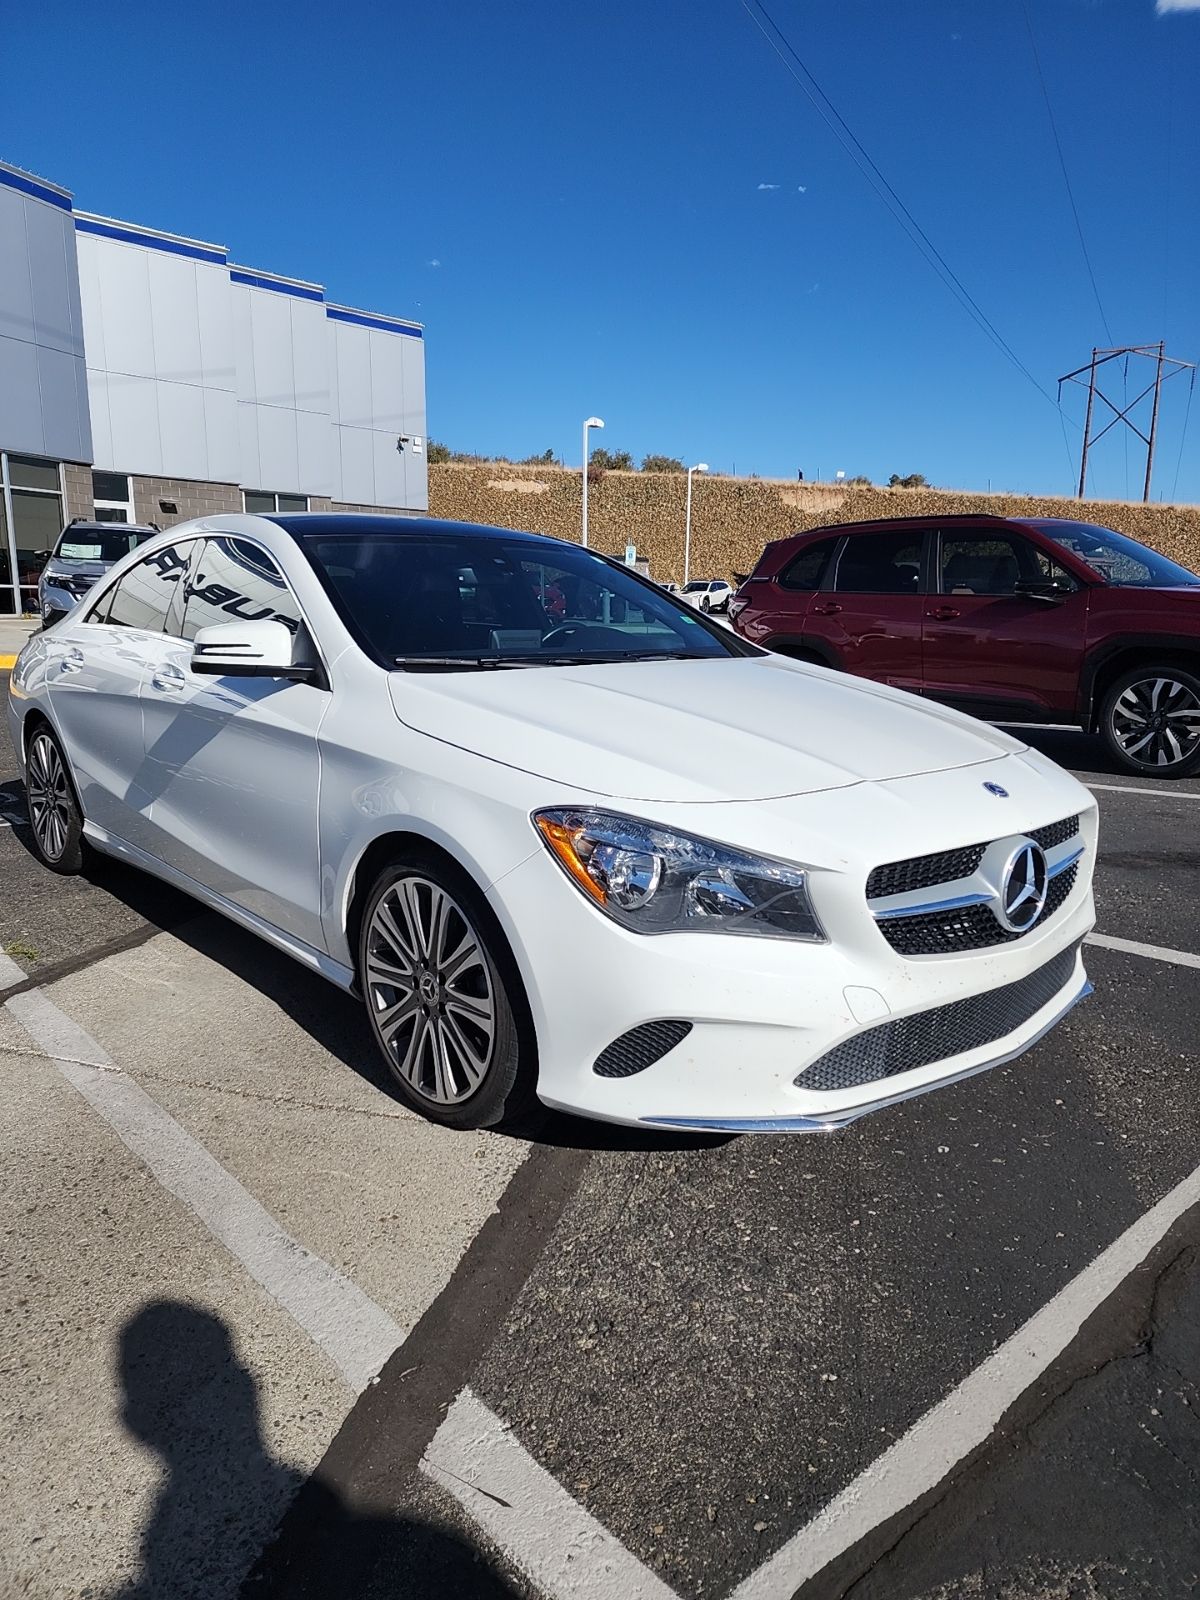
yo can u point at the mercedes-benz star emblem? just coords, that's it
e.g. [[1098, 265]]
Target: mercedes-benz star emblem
[[994, 788], [1023, 887]]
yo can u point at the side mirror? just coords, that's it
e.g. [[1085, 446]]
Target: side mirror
[[1042, 589], [250, 650]]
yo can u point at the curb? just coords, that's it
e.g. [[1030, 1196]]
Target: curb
[[7, 663]]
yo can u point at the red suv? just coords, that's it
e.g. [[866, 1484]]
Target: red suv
[[1016, 619]]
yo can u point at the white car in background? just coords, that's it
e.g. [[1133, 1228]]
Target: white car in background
[[564, 836], [708, 594]]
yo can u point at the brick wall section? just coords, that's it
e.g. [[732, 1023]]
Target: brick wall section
[[77, 487], [379, 511], [191, 499], [733, 518]]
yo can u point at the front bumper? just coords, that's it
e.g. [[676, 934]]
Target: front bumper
[[761, 1011], [55, 601]]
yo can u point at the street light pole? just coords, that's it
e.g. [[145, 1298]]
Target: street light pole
[[701, 466], [592, 422]]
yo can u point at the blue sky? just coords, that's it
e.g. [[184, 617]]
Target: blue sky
[[630, 209]]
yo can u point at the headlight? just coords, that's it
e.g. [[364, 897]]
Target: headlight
[[656, 880]]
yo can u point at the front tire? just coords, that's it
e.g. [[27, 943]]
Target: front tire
[[1150, 721], [444, 998], [54, 813]]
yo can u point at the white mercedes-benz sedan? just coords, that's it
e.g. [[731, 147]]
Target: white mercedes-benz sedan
[[563, 835]]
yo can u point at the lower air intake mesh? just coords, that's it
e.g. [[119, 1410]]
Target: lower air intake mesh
[[929, 1036], [639, 1048]]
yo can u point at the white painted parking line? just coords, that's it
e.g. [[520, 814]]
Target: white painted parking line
[[59, 1037], [1154, 952], [356, 1334], [528, 1513], [1167, 792], [10, 972], [963, 1421]]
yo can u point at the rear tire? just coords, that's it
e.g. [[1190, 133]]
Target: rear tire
[[54, 813], [445, 1000], [1150, 721]]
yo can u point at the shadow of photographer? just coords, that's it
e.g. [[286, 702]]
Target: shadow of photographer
[[189, 1400]]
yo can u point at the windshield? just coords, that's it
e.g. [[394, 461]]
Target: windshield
[[694, 588], [100, 544], [1119, 560], [461, 600]]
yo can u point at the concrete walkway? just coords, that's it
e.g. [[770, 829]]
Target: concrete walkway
[[13, 633]]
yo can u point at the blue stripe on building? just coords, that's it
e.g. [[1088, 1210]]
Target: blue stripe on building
[[39, 191], [253, 281], [173, 247], [365, 321]]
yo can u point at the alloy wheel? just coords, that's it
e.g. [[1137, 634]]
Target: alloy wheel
[[1156, 721], [430, 991], [49, 796]]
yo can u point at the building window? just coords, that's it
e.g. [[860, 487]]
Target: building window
[[31, 519], [112, 497], [267, 504]]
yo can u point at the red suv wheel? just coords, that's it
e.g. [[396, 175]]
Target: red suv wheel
[[1150, 720]]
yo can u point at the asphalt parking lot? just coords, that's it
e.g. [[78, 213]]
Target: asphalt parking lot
[[268, 1334]]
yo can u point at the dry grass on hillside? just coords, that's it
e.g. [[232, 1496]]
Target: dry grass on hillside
[[732, 518]]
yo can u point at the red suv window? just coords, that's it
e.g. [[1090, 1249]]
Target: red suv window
[[881, 563], [808, 568]]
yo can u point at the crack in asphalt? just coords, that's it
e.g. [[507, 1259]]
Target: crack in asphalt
[[273, 1099], [1140, 1348]]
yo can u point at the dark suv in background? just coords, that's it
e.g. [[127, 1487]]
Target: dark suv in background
[[1014, 619]]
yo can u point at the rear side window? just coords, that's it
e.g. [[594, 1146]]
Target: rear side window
[[881, 563], [809, 567], [142, 598], [234, 580]]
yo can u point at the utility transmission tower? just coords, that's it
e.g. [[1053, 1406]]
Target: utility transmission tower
[[1165, 366]]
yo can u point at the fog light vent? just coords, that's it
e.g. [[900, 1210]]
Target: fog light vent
[[639, 1048]]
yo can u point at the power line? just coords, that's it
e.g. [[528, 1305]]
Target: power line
[[1183, 436], [1062, 162], [853, 146]]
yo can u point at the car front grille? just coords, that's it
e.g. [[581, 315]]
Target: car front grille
[[76, 586], [940, 933], [949, 931], [1054, 833], [923, 872], [907, 1043]]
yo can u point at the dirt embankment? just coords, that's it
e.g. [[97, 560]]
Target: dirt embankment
[[732, 518]]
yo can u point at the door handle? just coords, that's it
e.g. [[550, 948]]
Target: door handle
[[168, 678], [830, 610], [72, 661], [944, 613]]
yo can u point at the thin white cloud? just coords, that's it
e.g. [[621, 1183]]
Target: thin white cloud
[[434, 262], [1163, 6], [801, 188], [763, 186]]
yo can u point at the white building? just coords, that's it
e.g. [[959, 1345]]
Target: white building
[[144, 377]]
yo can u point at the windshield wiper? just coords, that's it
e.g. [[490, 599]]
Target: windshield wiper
[[458, 663], [582, 659], [613, 659]]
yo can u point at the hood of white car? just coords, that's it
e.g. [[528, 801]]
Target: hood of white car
[[737, 728]]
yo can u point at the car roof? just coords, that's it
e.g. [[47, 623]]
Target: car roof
[[968, 519], [347, 524], [88, 525]]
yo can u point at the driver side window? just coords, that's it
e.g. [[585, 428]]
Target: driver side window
[[994, 564]]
